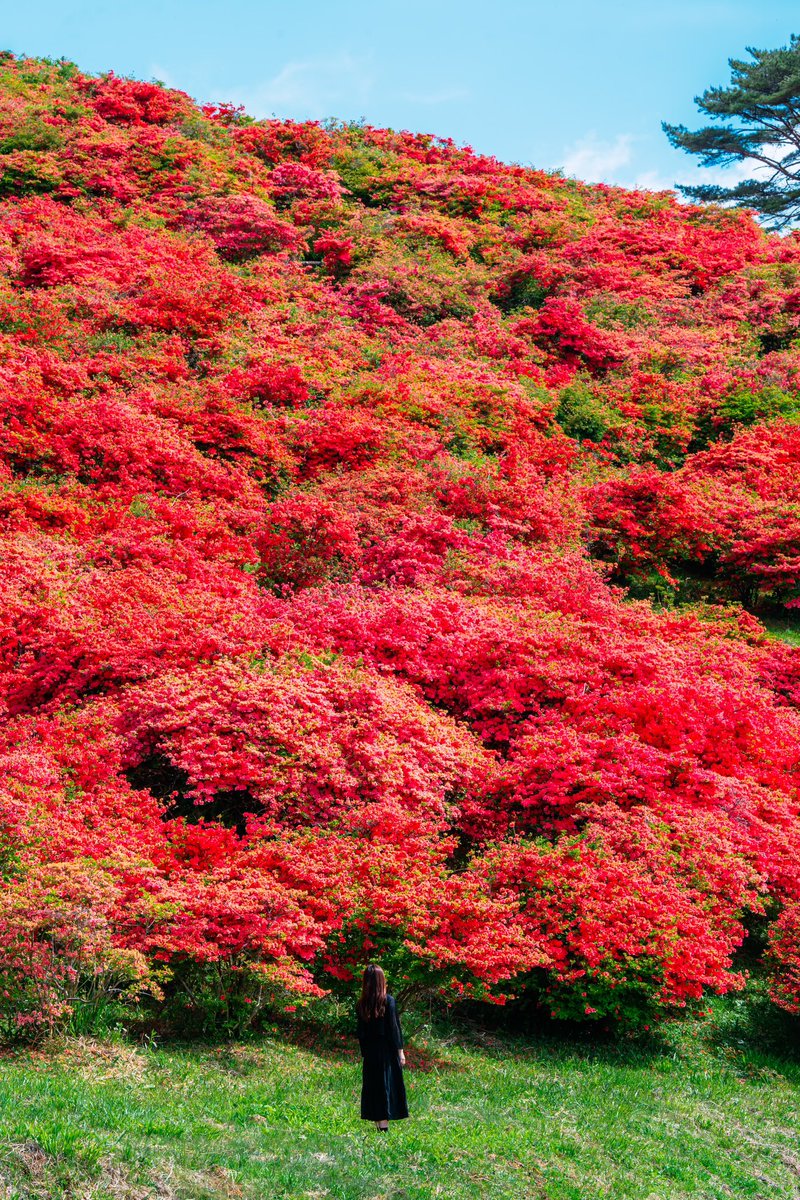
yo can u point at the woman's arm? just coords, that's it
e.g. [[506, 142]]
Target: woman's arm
[[396, 1033]]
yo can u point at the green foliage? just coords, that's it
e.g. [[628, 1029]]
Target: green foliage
[[436, 299], [611, 313], [32, 134], [218, 999], [583, 415], [630, 1003], [199, 130], [361, 168], [111, 341], [786, 628], [653, 586], [28, 177], [525, 291], [745, 406]]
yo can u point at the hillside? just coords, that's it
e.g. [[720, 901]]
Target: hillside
[[386, 537]]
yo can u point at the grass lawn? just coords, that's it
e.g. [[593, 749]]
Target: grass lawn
[[708, 1111], [785, 627]]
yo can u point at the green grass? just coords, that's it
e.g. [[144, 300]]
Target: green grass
[[785, 627], [702, 1113]]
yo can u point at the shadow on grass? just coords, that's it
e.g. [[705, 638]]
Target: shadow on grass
[[750, 1029], [527, 1031], [243, 1055], [745, 1031], [325, 1042]]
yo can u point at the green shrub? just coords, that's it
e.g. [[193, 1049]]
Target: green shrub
[[584, 416], [32, 134]]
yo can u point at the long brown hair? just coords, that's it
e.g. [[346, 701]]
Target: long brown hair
[[372, 1002]]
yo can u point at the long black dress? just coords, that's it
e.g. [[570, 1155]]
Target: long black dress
[[383, 1092]]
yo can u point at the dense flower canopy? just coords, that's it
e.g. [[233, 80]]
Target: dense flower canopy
[[386, 536]]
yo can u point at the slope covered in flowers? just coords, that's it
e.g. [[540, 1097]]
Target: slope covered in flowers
[[384, 535]]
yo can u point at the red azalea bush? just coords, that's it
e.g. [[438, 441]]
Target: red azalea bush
[[340, 470], [243, 226]]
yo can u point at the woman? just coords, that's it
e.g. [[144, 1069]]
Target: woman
[[383, 1092]]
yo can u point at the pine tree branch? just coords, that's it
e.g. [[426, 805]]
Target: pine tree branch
[[758, 117]]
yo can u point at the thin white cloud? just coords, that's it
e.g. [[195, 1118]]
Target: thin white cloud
[[691, 173], [312, 87], [597, 161], [654, 181], [614, 161]]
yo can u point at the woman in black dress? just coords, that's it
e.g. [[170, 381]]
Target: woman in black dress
[[383, 1092]]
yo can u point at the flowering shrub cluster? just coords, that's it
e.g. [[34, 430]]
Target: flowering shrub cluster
[[384, 536]]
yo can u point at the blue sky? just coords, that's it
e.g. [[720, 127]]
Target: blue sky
[[581, 85]]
